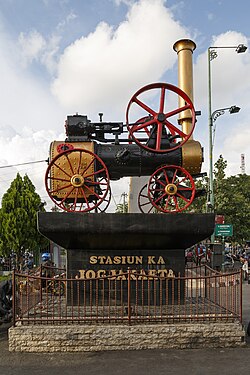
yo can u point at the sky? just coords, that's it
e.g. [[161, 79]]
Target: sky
[[59, 57]]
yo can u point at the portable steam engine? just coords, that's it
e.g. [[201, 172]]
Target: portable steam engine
[[157, 145]]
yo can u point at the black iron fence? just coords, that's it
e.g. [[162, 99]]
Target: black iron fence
[[131, 297]]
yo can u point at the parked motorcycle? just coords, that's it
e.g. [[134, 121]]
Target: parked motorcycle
[[5, 301]]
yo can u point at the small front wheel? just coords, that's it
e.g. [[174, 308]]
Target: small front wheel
[[171, 189]]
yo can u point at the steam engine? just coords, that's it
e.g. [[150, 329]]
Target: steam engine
[[156, 141]]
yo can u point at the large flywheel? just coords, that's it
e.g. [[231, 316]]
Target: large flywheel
[[158, 129], [77, 180], [171, 189]]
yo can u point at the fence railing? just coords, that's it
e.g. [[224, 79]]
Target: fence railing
[[131, 297]]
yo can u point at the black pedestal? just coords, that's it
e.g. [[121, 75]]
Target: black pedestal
[[101, 245], [125, 231]]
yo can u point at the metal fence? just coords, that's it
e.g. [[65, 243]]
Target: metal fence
[[201, 295]]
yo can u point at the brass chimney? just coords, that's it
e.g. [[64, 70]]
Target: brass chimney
[[184, 49], [191, 150]]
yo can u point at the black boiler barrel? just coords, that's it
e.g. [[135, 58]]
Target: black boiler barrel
[[131, 160]]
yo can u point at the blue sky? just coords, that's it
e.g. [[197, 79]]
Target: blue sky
[[62, 56], [208, 17]]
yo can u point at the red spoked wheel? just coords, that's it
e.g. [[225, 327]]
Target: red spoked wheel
[[171, 189], [105, 203], [77, 180], [156, 128], [144, 203]]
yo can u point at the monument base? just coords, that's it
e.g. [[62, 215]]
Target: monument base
[[81, 338], [151, 246]]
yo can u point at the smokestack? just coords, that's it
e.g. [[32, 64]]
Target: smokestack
[[184, 49]]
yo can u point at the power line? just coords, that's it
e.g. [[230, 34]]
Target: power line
[[30, 162]]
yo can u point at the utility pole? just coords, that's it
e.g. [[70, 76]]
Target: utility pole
[[242, 164], [124, 195]]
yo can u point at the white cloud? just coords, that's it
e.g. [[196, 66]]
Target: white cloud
[[230, 82], [210, 16], [25, 146], [235, 144], [102, 70], [126, 2], [25, 99], [70, 17], [99, 72], [32, 46], [50, 54], [30, 116], [35, 47], [229, 71]]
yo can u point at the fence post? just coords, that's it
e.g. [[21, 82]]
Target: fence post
[[41, 282], [129, 297], [205, 281], [14, 296], [241, 302]]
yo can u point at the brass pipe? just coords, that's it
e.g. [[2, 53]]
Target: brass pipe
[[184, 49]]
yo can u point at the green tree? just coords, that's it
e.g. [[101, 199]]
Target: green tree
[[199, 203], [232, 199], [122, 208], [220, 194], [18, 217], [219, 182]]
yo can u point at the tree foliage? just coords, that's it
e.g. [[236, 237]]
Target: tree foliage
[[122, 208], [199, 203], [18, 218], [231, 199]]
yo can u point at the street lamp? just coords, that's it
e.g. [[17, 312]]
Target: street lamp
[[212, 54], [219, 112]]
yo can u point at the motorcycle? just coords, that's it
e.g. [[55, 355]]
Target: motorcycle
[[5, 301]]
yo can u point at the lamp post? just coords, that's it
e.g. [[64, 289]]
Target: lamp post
[[212, 54], [219, 112]]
